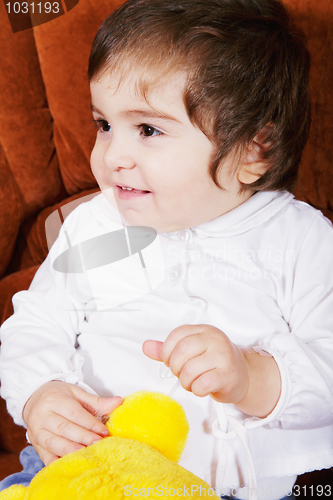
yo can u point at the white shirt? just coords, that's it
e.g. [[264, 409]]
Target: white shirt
[[262, 273]]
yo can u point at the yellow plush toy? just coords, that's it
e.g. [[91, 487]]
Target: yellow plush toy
[[148, 433]]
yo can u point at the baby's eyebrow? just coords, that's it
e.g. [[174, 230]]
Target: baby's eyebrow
[[149, 114], [94, 109]]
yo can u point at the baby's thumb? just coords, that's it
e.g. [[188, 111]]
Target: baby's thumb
[[104, 406], [98, 406], [153, 349]]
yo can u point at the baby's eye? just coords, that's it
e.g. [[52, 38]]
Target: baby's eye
[[148, 130], [102, 125]]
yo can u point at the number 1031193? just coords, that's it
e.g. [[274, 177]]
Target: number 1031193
[[33, 7]]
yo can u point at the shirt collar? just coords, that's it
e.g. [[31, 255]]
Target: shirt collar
[[258, 209]]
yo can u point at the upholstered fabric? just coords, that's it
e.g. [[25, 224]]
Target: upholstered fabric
[[315, 179], [46, 133]]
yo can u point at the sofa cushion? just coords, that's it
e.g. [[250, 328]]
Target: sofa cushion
[[63, 47], [30, 179], [12, 284], [10, 213], [315, 180]]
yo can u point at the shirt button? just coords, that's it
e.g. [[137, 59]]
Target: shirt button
[[191, 316], [185, 235], [165, 372], [175, 272]]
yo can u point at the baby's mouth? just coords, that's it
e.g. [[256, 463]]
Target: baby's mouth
[[128, 192], [126, 188]]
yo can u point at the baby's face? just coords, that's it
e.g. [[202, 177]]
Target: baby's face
[[156, 151]]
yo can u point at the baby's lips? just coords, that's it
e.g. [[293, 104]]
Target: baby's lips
[[132, 187]]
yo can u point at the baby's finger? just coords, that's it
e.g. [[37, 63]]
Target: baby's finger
[[195, 368], [56, 445], [176, 336], [153, 349], [97, 406], [60, 426], [45, 456], [74, 412], [209, 382], [187, 349]]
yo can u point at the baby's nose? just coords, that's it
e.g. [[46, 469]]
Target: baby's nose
[[117, 156]]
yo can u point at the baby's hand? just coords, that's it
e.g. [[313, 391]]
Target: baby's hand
[[205, 361], [62, 418]]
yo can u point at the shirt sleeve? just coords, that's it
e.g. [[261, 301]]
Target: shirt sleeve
[[38, 343], [304, 356]]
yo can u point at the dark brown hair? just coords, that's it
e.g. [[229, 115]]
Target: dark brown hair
[[247, 72]]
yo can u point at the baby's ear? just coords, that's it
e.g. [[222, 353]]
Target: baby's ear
[[253, 164]]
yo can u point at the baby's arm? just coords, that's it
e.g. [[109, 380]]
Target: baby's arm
[[62, 418], [208, 363], [40, 366], [303, 355]]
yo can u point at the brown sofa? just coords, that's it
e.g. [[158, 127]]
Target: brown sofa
[[46, 138]]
